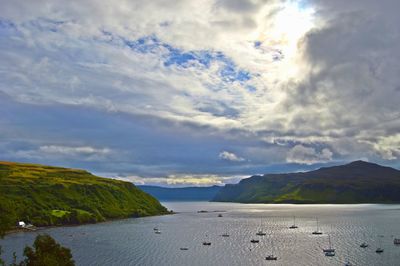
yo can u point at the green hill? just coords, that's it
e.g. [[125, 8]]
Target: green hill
[[45, 195], [357, 182]]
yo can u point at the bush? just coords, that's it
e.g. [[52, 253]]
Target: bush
[[47, 252]]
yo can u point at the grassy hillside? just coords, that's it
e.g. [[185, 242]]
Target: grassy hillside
[[182, 194], [357, 182], [45, 195]]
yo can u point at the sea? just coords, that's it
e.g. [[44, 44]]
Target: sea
[[135, 241]]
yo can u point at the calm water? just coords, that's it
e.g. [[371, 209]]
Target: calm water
[[133, 241]]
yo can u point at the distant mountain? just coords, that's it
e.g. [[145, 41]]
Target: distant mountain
[[356, 182], [46, 195], [182, 194]]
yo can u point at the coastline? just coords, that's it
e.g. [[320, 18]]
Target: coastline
[[40, 228]]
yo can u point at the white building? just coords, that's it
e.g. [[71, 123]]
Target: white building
[[21, 224]]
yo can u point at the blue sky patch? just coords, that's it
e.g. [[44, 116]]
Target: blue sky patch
[[229, 72]]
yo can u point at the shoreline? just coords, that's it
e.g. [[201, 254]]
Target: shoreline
[[40, 228]]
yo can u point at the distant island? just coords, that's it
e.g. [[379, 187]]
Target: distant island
[[183, 193], [45, 195], [356, 182]]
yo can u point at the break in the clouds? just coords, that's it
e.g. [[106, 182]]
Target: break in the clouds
[[156, 89]]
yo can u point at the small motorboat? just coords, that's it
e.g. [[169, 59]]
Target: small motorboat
[[158, 232], [396, 241], [184, 248], [261, 233], [225, 235], [363, 245], [330, 253], [271, 257], [379, 250], [254, 241], [220, 215], [205, 243]]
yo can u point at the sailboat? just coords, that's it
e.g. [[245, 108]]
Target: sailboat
[[271, 256], [294, 226], [260, 232], [379, 249], [206, 243], [363, 244], [317, 232], [329, 251]]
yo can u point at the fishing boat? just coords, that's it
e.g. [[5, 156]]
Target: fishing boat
[[294, 226], [254, 241], [396, 241], [317, 232]]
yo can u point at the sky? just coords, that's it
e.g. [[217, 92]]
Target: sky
[[185, 92]]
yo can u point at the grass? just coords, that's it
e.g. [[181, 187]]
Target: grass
[[46, 195]]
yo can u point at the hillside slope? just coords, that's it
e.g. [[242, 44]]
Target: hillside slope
[[45, 195], [356, 182], [182, 194]]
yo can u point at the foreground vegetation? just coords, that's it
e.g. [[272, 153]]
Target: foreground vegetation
[[357, 182], [45, 252], [45, 195]]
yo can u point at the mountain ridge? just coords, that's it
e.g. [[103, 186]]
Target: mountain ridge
[[355, 182]]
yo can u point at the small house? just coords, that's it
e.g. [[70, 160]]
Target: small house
[[21, 224]]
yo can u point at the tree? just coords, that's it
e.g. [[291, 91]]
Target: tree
[[47, 252]]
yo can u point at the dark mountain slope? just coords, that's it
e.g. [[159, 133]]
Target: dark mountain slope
[[356, 182]]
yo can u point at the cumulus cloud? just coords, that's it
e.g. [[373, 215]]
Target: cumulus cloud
[[258, 76], [184, 180], [46, 152], [308, 155], [230, 156], [66, 150]]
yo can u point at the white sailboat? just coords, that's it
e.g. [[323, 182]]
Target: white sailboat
[[330, 251]]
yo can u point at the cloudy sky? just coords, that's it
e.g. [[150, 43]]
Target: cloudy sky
[[199, 92]]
